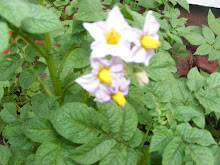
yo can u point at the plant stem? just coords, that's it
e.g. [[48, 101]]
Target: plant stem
[[65, 57], [49, 58], [65, 90], [85, 97], [40, 2], [145, 158], [47, 90], [55, 80], [52, 67]]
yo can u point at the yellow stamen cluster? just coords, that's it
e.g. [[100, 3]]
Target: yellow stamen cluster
[[112, 36], [119, 98], [105, 76], [148, 42]]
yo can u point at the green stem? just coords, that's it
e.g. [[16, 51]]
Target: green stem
[[48, 43], [52, 67], [85, 97], [47, 90], [55, 80], [40, 2], [65, 57], [145, 158], [124, 2], [65, 90]]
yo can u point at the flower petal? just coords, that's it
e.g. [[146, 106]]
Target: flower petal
[[151, 26], [88, 82], [96, 30]]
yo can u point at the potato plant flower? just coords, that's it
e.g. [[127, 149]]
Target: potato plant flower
[[106, 80], [112, 36], [146, 40]]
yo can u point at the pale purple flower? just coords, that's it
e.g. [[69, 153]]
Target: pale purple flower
[[105, 79], [146, 40], [112, 36]]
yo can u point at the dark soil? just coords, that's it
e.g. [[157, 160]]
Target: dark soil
[[1, 139]]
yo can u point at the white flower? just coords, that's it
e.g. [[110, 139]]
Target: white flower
[[146, 40], [112, 36], [106, 81]]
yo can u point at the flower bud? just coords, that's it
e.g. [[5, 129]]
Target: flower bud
[[141, 77]]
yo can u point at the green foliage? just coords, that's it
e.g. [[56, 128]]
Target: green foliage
[[27, 77], [9, 64], [213, 23], [4, 36], [5, 154], [14, 11], [76, 122], [46, 118], [90, 11], [40, 20]]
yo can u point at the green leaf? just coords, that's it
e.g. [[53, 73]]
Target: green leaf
[[203, 49], [180, 90], [76, 122], [174, 152], [110, 116], [27, 77], [9, 113], [208, 34], [129, 123], [132, 157], [184, 4], [5, 154], [195, 81], [195, 135], [14, 11], [145, 98], [19, 155], [210, 100], [78, 58], [39, 130], [217, 42], [210, 97], [214, 55], [93, 151], [216, 153], [90, 11], [9, 64], [136, 139], [41, 20], [16, 137], [161, 90], [185, 113], [161, 66], [39, 67], [55, 152], [201, 155], [195, 38], [149, 4], [137, 99], [214, 23], [4, 40], [161, 138], [30, 159], [116, 156], [136, 18]]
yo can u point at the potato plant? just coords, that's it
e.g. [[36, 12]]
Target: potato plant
[[94, 82]]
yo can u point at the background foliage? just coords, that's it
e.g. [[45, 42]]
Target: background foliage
[[48, 119]]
